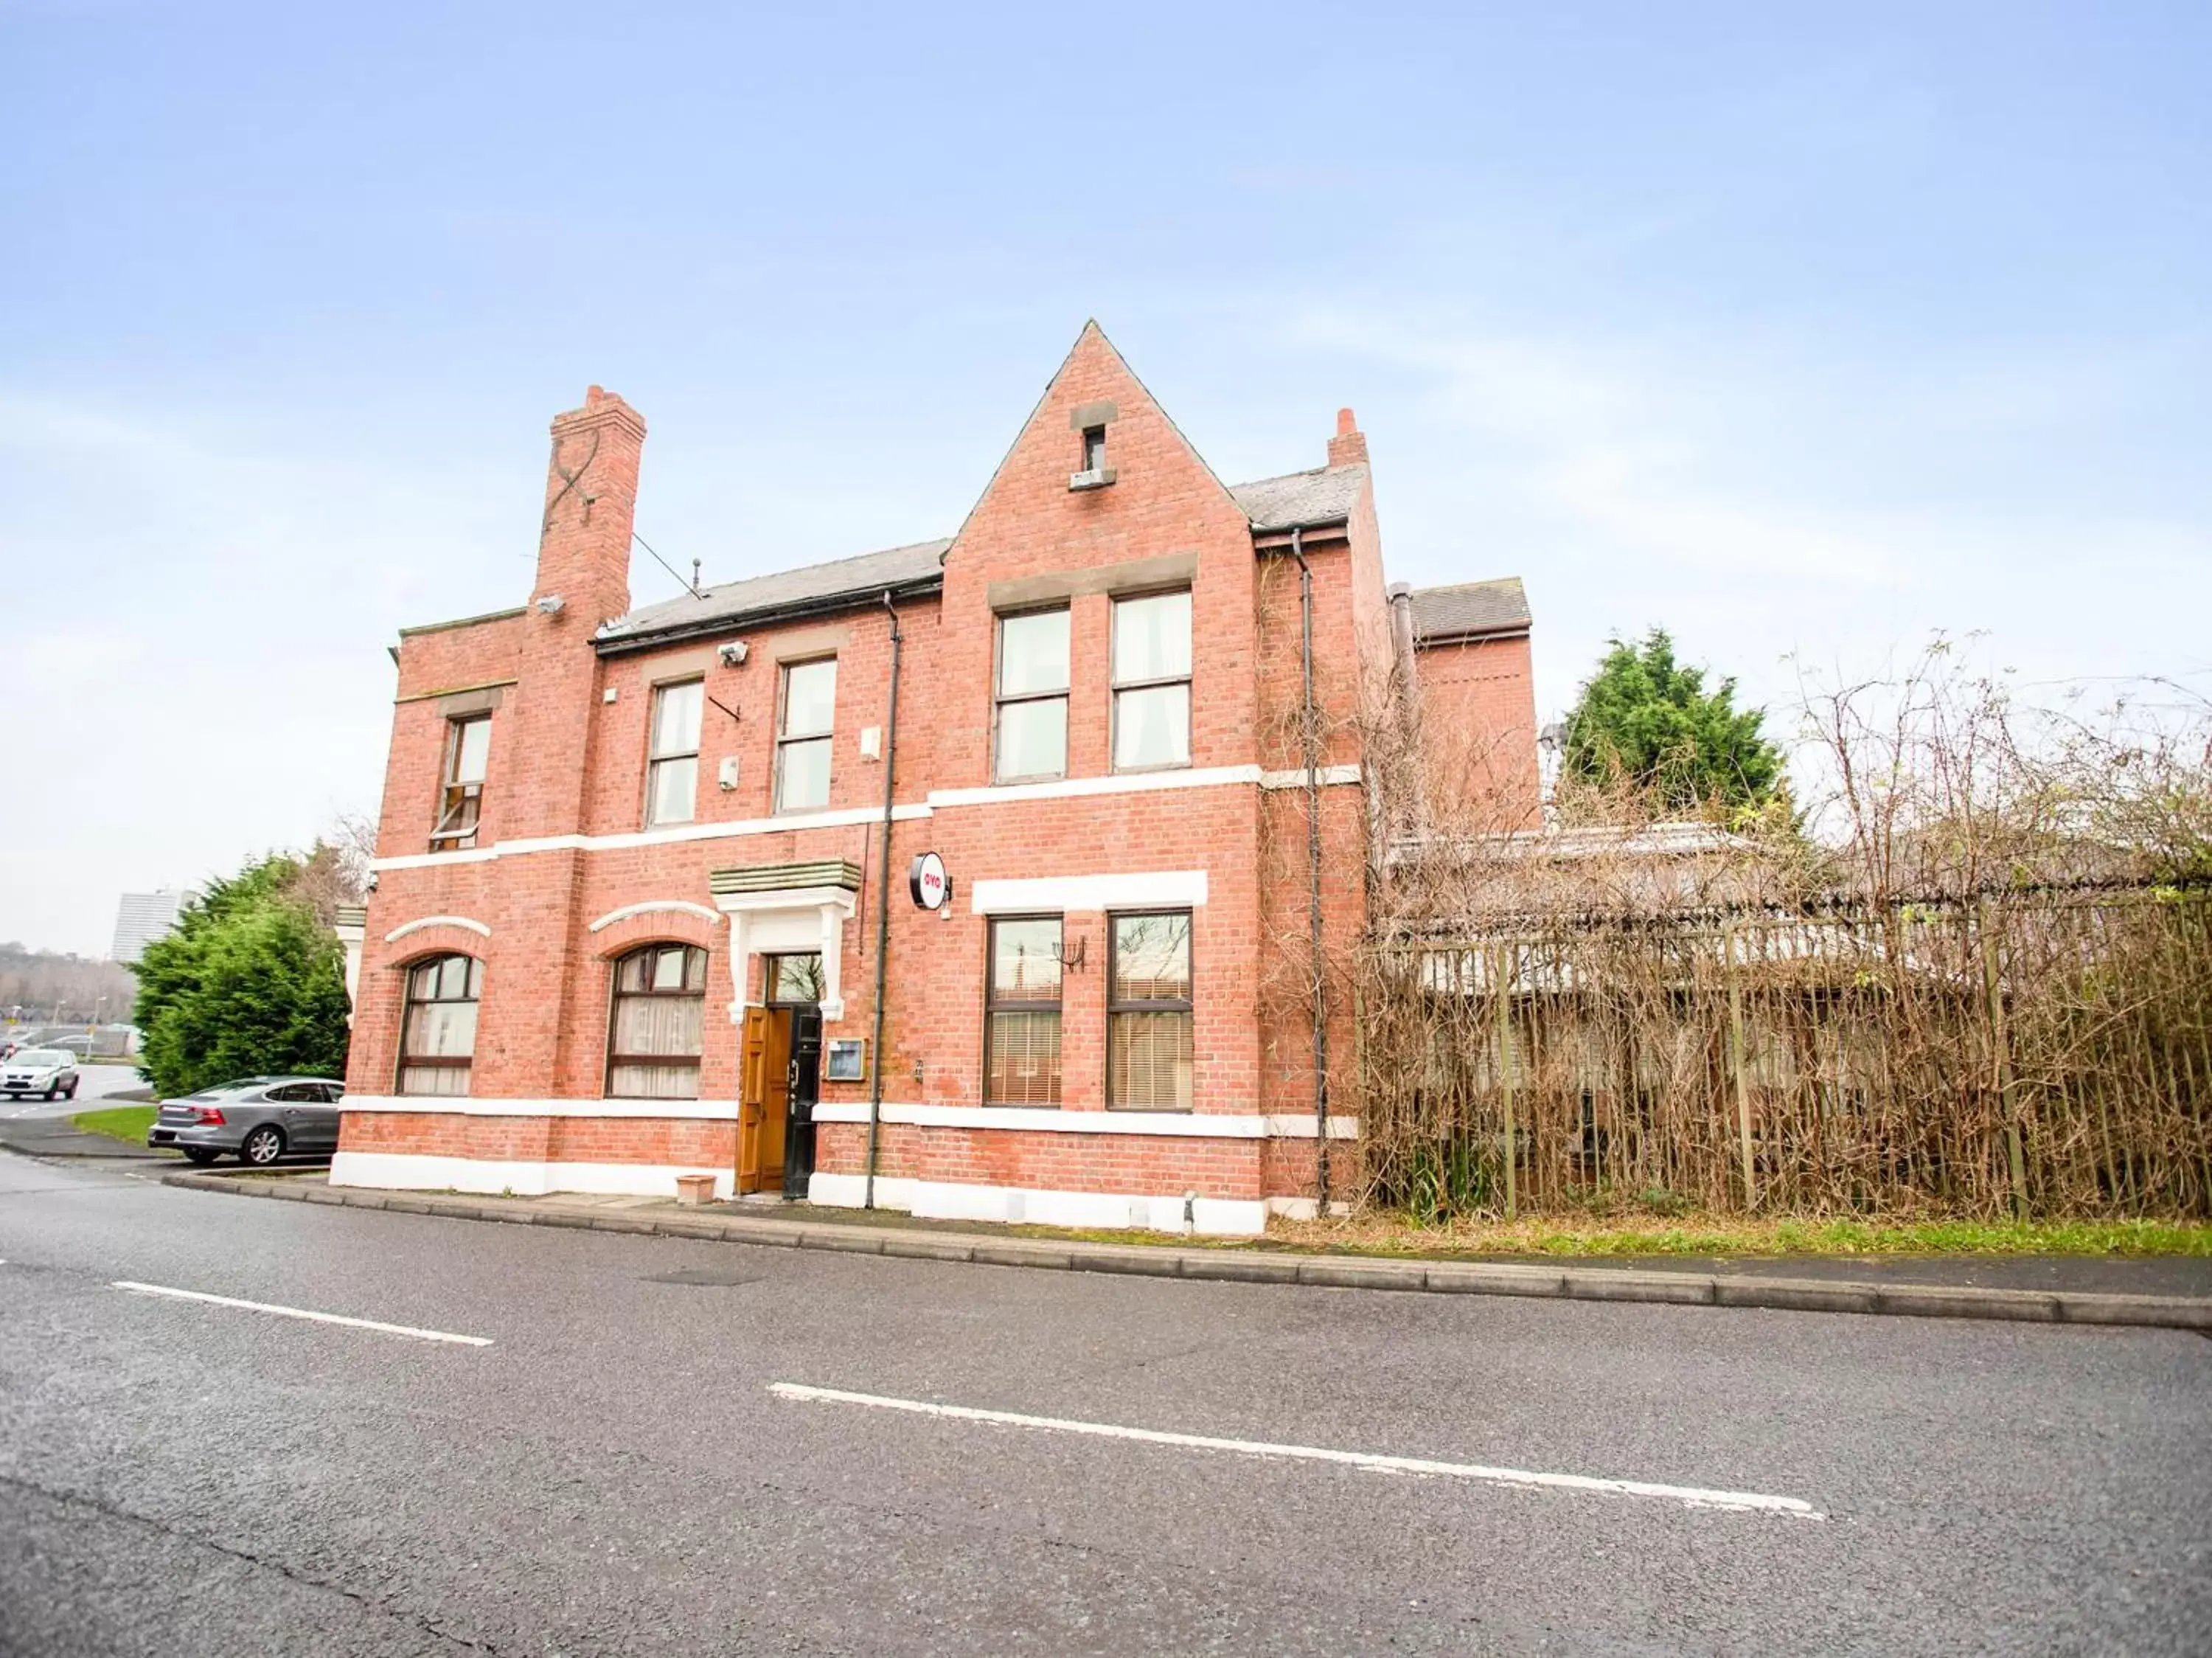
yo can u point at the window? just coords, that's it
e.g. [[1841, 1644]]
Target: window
[[794, 979], [1094, 449], [460, 805], [1148, 1018], [1152, 681], [1032, 696], [671, 775], [1021, 1013], [660, 1014], [802, 735], [438, 1032]]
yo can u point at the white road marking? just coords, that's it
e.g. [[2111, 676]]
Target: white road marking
[[302, 1312], [1745, 1501]]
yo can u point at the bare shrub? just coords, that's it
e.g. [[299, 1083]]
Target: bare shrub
[[1969, 975]]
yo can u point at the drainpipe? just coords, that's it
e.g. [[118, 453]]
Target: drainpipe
[[1312, 749], [884, 905]]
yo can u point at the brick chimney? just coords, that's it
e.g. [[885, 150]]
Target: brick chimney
[[1349, 446], [591, 504]]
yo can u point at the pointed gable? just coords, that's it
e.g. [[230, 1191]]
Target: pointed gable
[[1152, 516]]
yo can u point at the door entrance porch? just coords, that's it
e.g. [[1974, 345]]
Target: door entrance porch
[[780, 1083]]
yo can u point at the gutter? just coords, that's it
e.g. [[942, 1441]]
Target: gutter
[[798, 610]]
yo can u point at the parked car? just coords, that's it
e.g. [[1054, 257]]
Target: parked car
[[49, 1072], [257, 1119]]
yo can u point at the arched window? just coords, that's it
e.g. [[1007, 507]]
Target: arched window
[[659, 1012], [438, 1035]]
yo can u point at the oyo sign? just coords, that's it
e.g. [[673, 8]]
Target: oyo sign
[[926, 880]]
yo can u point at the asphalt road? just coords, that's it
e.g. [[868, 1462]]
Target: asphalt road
[[613, 1473]]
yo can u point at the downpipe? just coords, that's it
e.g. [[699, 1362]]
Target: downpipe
[[1310, 748], [884, 906]]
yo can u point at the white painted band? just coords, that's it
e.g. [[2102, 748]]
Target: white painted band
[[301, 1312], [435, 1105], [1368, 1461], [656, 905], [404, 1171], [843, 817], [421, 922], [1136, 783], [1330, 775], [1076, 894], [950, 1200], [1195, 1125], [1143, 783]]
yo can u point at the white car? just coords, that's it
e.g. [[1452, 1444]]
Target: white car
[[49, 1072]]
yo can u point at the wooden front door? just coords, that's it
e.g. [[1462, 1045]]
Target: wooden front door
[[764, 1099]]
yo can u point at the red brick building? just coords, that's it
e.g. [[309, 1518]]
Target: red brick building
[[641, 871]]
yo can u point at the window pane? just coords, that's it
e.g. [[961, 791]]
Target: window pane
[[1033, 653], [453, 978], [802, 774], [794, 978], [1026, 961], [1033, 738], [1151, 958], [666, 1025], [1021, 1062], [654, 1083], [476, 979], [1152, 727], [1148, 1061], [1151, 637], [471, 747], [450, 1080], [425, 983], [676, 717], [668, 969], [441, 1030], [809, 698], [674, 790]]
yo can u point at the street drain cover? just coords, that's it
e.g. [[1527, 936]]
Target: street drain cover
[[717, 1278]]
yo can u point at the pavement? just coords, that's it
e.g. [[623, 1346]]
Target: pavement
[[671, 1445], [2104, 1291]]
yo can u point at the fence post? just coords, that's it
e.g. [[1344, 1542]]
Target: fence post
[[1499, 984], [1736, 1063], [2000, 1053]]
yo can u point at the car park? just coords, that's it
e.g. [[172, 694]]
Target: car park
[[257, 1119], [47, 1071]]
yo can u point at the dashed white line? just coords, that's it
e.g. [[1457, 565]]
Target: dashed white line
[[1694, 1496], [301, 1312]]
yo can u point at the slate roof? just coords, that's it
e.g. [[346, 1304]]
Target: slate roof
[[1296, 499], [1474, 610], [823, 586], [1319, 497]]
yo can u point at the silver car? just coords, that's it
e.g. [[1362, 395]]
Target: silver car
[[49, 1072], [257, 1119]]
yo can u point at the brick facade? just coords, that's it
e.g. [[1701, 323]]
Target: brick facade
[[565, 876]]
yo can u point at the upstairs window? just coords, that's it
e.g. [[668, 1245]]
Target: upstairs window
[[1032, 696], [1021, 1013], [1148, 1012], [802, 739], [438, 1032], [460, 801], [1094, 449], [1152, 681], [659, 1017], [672, 773]]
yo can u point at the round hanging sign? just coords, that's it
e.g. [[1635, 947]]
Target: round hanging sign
[[926, 880]]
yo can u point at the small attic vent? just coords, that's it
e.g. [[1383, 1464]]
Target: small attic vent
[[1095, 473]]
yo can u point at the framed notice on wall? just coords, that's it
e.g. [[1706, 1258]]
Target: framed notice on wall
[[845, 1059]]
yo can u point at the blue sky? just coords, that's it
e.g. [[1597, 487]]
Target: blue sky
[[1800, 330]]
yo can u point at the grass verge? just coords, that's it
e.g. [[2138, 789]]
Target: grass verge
[[1699, 1236], [117, 1123]]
